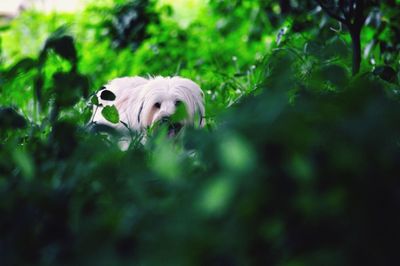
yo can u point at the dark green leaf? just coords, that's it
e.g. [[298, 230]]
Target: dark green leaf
[[240, 74], [313, 48], [22, 66], [98, 128], [335, 74], [64, 46], [69, 88], [10, 119], [336, 48], [110, 113], [95, 100], [63, 137], [386, 73]]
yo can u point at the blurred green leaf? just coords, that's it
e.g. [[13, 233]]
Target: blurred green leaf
[[236, 155], [22, 66], [216, 195], [273, 230], [63, 46], [69, 88], [335, 74], [24, 163], [180, 113], [4, 27], [313, 48], [166, 161]]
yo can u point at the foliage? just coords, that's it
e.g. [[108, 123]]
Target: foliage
[[127, 26], [298, 163]]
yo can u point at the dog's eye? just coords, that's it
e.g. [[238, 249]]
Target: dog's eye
[[157, 105], [177, 103]]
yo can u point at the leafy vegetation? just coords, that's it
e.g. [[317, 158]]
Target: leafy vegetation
[[298, 163]]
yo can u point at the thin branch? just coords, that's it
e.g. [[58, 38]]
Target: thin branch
[[359, 14], [351, 10]]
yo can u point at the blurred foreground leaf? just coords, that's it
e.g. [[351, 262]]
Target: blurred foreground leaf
[[24, 163], [21, 67], [69, 88], [63, 46]]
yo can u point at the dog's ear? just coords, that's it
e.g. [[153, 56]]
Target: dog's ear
[[200, 100], [202, 117], [201, 109], [140, 112], [194, 96], [201, 120]]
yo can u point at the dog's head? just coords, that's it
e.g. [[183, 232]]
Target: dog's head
[[175, 101]]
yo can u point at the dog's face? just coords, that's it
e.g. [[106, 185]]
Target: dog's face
[[175, 101]]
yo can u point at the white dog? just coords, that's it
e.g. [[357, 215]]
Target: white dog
[[141, 102]]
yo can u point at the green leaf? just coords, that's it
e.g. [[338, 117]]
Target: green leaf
[[22, 66], [69, 88], [386, 73], [107, 95], [24, 163], [313, 48], [180, 113], [217, 195], [336, 47], [335, 74], [236, 154], [167, 161], [94, 100], [64, 46], [5, 27], [110, 113]]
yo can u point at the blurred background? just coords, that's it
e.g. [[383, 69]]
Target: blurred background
[[298, 163]]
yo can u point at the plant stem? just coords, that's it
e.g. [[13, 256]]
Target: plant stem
[[355, 34]]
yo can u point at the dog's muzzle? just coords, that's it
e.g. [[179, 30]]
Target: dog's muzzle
[[173, 127]]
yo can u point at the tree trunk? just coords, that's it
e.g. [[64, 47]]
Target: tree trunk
[[285, 6], [355, 34]]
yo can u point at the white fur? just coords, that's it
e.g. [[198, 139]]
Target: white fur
[[136, 98]]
